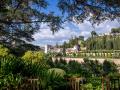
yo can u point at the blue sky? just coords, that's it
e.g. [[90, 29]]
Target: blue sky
[[52, 7], [44, 36]]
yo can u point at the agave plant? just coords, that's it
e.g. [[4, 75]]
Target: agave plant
[[52, 79]]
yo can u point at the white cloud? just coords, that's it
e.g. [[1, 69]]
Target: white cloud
[[45, 36], [86, 27], [61, 34]]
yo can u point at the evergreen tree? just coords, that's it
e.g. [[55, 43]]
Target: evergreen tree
[[20, 19]]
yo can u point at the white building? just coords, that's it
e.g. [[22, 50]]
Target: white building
[[47, 48]]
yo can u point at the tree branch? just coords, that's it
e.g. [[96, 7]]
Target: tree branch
[[18, 6], [11, 22]]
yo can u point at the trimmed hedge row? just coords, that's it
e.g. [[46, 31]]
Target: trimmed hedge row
[[97, 54]]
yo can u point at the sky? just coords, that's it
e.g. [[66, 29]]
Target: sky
[[44, 35]]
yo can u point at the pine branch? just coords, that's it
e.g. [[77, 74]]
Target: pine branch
[[21, 22]]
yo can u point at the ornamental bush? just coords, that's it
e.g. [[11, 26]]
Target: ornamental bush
[[3, 51], [33, 56]]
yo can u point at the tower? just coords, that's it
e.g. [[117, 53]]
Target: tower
[[46, 49]]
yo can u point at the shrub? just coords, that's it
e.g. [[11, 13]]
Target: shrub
[[32, 70], [34, 56], [16, 65], [109, 67], [11, 65], [3, 51], [57, 71], [10, 81]]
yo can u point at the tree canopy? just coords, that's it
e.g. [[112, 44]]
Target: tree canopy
[[115, 30], [20, 19], [96, 10]]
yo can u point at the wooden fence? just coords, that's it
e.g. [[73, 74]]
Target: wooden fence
[[73, 84], [105, 83]]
